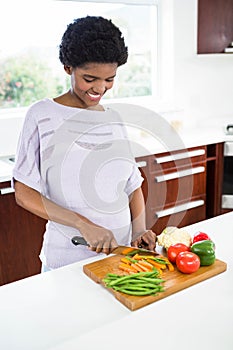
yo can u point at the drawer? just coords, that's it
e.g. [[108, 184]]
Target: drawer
[[176, 189], [179, 215], [5, 184], [5, 188], [176, 160]]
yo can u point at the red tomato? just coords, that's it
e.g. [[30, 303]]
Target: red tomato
[[187, 262], [174, 250], [200, 236]]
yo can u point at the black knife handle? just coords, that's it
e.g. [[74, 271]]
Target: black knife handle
[[76, 240]]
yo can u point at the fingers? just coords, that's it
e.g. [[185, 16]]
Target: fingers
[[149, 238], [137, 243], [147, 241], [105, 247]]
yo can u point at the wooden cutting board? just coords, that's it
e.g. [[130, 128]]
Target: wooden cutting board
[[174, 281]]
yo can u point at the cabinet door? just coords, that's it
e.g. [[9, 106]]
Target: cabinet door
[[215, 29], [21, 235], [177, 186]]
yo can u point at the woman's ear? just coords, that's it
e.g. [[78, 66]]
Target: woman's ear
[[68, 69]]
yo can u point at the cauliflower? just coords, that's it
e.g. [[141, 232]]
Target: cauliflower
[[172, 235]]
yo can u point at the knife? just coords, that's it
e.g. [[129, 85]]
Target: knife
[[77, 240]]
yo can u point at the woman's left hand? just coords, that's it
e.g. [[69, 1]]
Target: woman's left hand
[[147, 240]]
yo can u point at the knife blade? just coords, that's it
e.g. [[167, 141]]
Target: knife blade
[[77, 240]]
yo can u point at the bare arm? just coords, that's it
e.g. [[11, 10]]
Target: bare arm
[[99, 238], [140, 236]]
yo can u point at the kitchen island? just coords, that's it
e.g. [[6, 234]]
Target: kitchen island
[[65, 310]]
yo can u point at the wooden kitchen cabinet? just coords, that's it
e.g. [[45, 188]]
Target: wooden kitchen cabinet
[[193, 196], [215, 25], [174, 187], [21, 236], [214, 179]]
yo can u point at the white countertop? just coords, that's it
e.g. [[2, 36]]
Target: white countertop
[[144, 143], [65, 310], [6, 166]]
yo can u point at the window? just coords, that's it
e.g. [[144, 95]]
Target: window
[[30, 35]]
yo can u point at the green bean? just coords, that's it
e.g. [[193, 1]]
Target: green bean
[[138, 293], [119, 278], [135, 251], [112, 275], [149, 279], [135, 288], [159, 260], [131, 260], [138, 286]]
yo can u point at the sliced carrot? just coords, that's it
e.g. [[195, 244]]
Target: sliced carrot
[[159, 271], [157, 265], [128, 250], [138, 267], [168, 263], [170, 266], [125, 260], [135, 268], [144, 268], [147, 257], [141, 257], [137, 257], [126, 268], [146, 264]]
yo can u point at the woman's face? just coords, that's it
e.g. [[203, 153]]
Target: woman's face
[[90, 82]]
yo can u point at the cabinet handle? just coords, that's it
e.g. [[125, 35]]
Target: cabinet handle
[[182, 155], [179, 208], [6, 190], [182, 173], [141, 164]]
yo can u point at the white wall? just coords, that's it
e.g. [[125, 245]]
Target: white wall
[[203, 84]]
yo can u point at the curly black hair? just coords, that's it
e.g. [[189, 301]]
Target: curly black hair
[[92, 39]]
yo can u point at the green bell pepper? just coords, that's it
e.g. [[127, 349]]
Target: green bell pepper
[[205, 250]]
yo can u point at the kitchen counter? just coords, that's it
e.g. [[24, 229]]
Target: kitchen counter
[[6, 166], [145, 143], [65, 310]]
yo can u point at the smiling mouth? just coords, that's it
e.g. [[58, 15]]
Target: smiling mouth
[[94, 96]]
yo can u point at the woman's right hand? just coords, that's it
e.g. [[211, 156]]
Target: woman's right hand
[[100, 239]]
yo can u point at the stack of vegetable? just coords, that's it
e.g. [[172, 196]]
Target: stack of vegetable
[[188, 258], [142, 273], [139, 284], [145, 263]]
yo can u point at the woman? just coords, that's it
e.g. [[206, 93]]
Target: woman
[[73, 165]]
